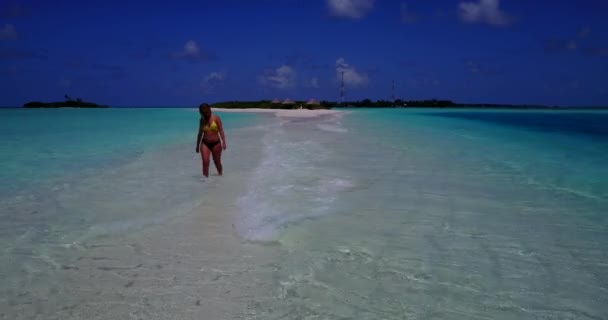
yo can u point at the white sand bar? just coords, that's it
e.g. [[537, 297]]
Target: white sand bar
[[283, 113]]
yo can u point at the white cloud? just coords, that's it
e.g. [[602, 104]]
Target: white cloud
[[313, 83], [193, 52], [485, 11], [354, 9], [8, 32], [406, 15], [214, 76], [282, 77], [211, 81], [351, 76]]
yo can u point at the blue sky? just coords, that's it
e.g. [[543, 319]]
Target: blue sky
[[180, 54]]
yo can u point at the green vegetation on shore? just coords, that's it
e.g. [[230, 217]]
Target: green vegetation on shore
[[432, 103], [367, 103], [267, 104], [68, 103], [324, 104]]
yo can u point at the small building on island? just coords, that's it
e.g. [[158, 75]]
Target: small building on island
[[313, 102]]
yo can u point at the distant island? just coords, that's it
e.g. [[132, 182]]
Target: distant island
[[68, 103], [274, 104], [367, 103], [324, 104]]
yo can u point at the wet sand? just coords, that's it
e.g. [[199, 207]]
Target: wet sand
[[193, 266], [284, 113]]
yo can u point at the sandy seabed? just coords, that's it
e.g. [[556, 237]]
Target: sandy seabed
[[284, 113], [194, 267]]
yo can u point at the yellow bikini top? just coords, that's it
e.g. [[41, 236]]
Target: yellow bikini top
[[212, 127]]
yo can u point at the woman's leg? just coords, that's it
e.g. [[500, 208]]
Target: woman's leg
[[205, 152], [217, 158]]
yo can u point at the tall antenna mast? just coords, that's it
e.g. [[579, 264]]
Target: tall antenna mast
[[342, 88]]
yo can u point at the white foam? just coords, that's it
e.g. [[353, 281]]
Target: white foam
[[287, 187], [331, 128], [338, 184]]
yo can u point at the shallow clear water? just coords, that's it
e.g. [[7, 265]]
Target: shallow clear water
[[447, 215], [378, 214], [73, 176]]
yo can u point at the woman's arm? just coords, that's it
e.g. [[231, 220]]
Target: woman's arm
[[199, 135], [221, 128]]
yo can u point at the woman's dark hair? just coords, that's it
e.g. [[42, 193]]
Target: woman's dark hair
[[202, 108]]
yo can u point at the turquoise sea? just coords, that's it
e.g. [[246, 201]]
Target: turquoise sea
[[367, 214]]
